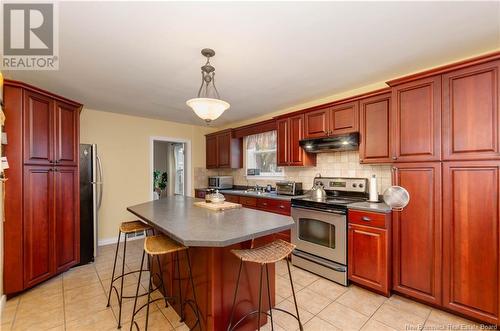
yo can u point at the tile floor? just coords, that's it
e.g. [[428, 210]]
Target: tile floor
[[76, 301]]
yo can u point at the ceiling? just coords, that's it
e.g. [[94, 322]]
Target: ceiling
[[144, 59]]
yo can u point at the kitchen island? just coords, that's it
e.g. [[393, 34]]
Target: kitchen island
[[211, 236]]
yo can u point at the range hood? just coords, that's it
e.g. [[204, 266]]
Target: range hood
[[341, 142]]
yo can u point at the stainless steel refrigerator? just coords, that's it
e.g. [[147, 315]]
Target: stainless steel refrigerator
[[91, 188]]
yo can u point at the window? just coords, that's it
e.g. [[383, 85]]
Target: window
[[261, 155]]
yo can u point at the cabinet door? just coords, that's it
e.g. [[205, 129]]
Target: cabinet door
[[344, 118], [67, 218], [470, 113], [211, 152], [38, 224], [317, 123], [67, 134], [38, 130], [367, 261], [375, 129], [417, 120], [471, 238], [224, 150], [417, 233], [283, 137]]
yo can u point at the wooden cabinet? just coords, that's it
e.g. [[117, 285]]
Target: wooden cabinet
[[375, 129], [471, 208], [223, 150], [317, 123], [38, 128], [416, 111], [290, 131], [199, 193], [42, 212], [470, 113], [274, 206], [369, 250], [232, 198], [336, 119], [417, 232]]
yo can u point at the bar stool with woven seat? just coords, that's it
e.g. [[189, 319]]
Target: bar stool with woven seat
[[155, 246], [270, 253], [126, 227]]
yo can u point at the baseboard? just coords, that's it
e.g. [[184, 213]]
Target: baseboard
[[3, 301], [110, 241]]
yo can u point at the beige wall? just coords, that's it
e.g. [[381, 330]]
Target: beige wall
[[123, 143]]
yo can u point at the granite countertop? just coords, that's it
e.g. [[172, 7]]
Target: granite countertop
[[197, 226], [378, 207]]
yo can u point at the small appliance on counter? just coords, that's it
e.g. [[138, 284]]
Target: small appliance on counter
[[220, 182], [288, 188]]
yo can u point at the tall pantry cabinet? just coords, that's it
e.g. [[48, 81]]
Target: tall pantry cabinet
[[41, 229]]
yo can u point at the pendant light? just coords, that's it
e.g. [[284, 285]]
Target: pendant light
[[208, 105]]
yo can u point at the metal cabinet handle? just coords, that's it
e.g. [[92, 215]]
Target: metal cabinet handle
[[282, 207], [264, 203], [394, 157], [366, 219]]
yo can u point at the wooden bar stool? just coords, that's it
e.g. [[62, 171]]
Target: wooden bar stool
[[155, 246], [271, 253], [126, 228]]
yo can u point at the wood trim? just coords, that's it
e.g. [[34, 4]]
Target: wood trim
[[255, 128], [15, 83], [218, 132], [445, 68]]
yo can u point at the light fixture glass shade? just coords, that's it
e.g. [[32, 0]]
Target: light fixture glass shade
[[208, 109]]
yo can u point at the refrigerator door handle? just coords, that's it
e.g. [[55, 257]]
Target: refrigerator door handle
[[100, 181]]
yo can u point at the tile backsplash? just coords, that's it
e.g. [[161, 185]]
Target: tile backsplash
[[337, 164]]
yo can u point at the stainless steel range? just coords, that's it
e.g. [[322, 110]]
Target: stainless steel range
[[320, 230]]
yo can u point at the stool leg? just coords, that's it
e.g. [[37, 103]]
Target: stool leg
[[149, 297], [194, 290], [180, 285], [161, 280], [114, 267], [137, 290], [260, 297], [293, 292], [269, 298], [235, 295], [121, 285]]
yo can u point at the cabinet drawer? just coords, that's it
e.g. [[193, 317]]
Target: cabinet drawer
[[273, 205], [367, 218], [232, 198], [248, 201]]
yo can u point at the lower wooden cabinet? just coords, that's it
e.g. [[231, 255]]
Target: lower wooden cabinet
[[369, 250], [471, 263]]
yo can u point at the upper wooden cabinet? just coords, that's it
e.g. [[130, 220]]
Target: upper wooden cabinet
[[470, 113], [417, 120], [223, 150], [337, 119], [417, 232], [290, 131], [375, 129], [471, 262], [51, 130]]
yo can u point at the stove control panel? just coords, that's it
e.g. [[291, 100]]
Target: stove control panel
[[344, 184]]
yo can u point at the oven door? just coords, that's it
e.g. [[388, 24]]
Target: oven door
[[320, 233]]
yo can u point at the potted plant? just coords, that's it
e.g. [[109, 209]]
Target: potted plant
[[160, 180]]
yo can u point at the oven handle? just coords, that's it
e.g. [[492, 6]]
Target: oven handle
[[334, 211]]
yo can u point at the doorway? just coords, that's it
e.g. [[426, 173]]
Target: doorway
[[170, 173]]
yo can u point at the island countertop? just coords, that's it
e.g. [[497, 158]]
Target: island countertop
[[190, 225]]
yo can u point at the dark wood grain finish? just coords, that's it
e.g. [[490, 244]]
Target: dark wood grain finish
[[274, 206], [375, 129], [38, 117], [38, 224], [232, 198], [211, 152], [366, 218], [224, 150], [368, 255], [254, 128], [471, 239], [248, 201], [67, 130], [290, 130], [13, 190], [282, 143], [67, 217], [344, 118], [417, 120], [417, 233], [470, 113], [317, 123]]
